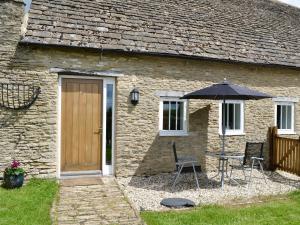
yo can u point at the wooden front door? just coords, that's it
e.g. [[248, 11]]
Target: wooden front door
[[81, 125]]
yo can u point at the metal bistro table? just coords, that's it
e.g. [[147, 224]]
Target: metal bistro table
[[223, 164]]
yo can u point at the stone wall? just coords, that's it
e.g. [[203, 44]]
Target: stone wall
[[31, 135], [26, 135], [139, 148], [11, 14]]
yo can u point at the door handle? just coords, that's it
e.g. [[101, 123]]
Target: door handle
[[99, 131]]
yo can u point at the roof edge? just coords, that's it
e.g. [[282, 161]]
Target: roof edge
[[130, 52]]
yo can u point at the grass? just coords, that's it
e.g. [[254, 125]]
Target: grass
[[29, 205], [275, 211]]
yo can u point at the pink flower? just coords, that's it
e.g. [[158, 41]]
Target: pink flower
[[15, 164]]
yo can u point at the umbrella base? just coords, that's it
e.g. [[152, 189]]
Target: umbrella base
[[223, 172]]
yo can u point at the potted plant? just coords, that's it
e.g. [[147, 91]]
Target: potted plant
[[13, 175]]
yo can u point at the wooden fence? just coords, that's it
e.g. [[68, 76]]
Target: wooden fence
[[284, 152]]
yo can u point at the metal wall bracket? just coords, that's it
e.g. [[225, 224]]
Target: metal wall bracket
[[15, 96]]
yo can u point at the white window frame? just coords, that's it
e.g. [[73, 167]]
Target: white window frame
[[232, 132], [183, 132], [286, 103]]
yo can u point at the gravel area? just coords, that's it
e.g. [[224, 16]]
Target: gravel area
[[145, 193]]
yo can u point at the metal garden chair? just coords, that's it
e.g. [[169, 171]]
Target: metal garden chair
[[253, 158], [184, 161]]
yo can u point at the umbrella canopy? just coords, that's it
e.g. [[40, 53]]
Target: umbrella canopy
[[226, 90]]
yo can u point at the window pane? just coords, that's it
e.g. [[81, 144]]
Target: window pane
[[173, 116], [237, 117], [278, 119], [109, 104], [224, 110], [166, 116], [231, 116], [180, 115], [283, 119], [289, 117], [226, 116]]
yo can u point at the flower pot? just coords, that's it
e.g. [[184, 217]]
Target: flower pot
[[13, 181]]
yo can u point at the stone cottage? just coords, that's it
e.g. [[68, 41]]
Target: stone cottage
[[89, 58]]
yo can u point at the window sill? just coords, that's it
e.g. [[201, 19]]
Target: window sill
[[290, 132], [233, 134], [164, 133]]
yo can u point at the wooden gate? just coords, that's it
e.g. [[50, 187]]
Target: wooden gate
[[284, 152]]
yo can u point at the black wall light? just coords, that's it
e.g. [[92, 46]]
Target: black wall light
[[135, 96]]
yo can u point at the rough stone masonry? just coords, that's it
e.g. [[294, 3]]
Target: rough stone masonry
[[27, 135], [31, 135]]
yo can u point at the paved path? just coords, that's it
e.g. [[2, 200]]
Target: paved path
[[93, 201]]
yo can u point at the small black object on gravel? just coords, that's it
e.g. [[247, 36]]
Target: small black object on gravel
[[177, 203]]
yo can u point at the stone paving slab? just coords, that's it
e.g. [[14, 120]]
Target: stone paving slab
[[93, 202], [81, 181]]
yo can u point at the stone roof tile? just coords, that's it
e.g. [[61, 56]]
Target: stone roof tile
[[254, 31]]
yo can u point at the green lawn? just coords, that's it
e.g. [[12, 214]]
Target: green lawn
[[274, 211], [29, 205]]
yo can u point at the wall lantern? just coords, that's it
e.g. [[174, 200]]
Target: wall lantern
[[135, 96]]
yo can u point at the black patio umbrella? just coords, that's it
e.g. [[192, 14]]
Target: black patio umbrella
[[226, 91]]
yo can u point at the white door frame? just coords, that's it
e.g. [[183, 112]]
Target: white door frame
[[106, 169]]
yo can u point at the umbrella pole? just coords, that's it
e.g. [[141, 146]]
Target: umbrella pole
[[223, 127], [223, 143]]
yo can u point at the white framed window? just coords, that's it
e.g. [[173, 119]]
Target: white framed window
[[234, 117], [284, 117], [172, 117]]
